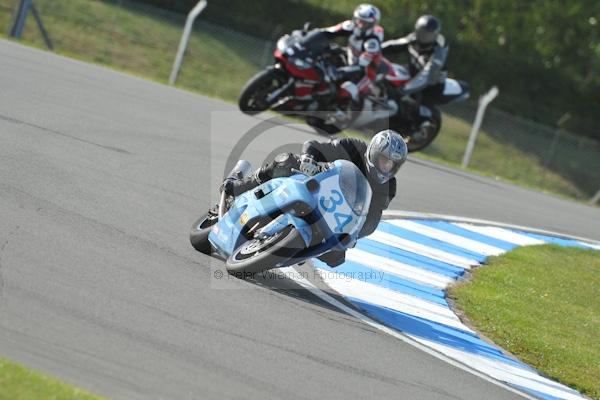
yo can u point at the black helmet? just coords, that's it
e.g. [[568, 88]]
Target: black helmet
[[427, 29], [385, 155]]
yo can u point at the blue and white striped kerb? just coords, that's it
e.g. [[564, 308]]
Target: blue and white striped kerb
[[398, 276]]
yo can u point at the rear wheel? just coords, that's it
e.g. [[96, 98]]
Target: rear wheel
[[258, 255], [199, 233], [421, 136], [253, 99]]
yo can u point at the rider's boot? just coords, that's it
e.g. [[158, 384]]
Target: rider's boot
[[349, 90], [339, 112]]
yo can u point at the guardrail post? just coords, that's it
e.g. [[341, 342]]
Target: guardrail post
[[19, 19], [185, 37], [483, 103], [596, 198], [20, 16], [40, 24], [557, 131]]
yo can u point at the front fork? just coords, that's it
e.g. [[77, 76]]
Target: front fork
[[275, 95]]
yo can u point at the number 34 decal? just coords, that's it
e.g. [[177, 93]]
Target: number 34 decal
[[330, 205]]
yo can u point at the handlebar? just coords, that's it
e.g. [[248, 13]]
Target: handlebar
[[323, 166]]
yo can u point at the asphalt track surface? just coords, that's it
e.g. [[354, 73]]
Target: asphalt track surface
[[101, 176]]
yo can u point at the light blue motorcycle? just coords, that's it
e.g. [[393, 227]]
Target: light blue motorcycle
[[288, 220]]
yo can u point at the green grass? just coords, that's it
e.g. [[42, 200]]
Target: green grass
[[541, 303], [499, 157], [19, 383], [143, 40]]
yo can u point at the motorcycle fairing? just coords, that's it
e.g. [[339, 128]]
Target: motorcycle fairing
[[337, 212]]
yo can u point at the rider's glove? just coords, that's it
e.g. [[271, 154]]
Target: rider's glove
[[227, 186], [308, 165]]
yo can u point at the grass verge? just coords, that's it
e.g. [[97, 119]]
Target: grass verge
[[17, 382], [143, 40], [541, 303]]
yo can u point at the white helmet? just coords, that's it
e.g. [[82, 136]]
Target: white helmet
[[385, 155], [365, 17]]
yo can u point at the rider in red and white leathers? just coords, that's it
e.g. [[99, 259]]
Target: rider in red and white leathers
[[364, 48]]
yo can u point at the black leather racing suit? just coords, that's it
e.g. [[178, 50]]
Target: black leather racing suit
[[427, 66]]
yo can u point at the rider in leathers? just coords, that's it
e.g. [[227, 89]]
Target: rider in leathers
[[364, 48], [379, 161], [428, 52]]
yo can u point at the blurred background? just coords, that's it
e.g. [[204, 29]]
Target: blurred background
[[544, 56]]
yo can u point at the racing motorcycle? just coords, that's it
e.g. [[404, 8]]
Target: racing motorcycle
[[307, 63], [286, 221]]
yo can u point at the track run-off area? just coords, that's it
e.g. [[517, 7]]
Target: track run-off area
[[101, 176]]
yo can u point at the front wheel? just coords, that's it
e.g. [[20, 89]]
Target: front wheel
[[199, 233], [258, 255], [253, 99]]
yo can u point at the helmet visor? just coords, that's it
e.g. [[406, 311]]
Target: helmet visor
[[364, 25], [426, 37], [385, 167]]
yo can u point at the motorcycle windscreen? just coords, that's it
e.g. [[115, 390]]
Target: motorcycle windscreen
[[344, 199], [315, 42]]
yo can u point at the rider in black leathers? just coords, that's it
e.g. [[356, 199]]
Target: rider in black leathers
[[428, 51], [379, 161]]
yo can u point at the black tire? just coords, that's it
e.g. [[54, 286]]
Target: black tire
[[199, 233], [417, 143], [253, 97], [321, 127], [282, 247]]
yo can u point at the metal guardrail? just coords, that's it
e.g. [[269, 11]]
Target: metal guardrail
[[483, 103], [185, 37]]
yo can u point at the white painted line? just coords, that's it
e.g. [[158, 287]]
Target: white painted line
[[591, 246], [479, 221], [423, 250], [451, 238], [306, 284], [488, 368], [501, 233], [399, 269], [505, 372], [383, 297]]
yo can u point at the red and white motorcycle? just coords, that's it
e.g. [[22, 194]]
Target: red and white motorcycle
[[305, 79]]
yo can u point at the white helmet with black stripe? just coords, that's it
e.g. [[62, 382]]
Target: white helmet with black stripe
[[385, 155]]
